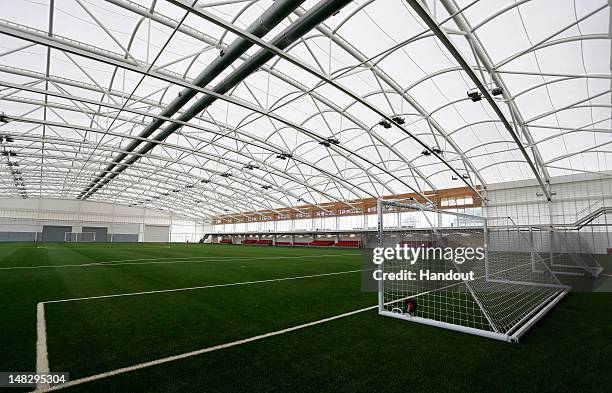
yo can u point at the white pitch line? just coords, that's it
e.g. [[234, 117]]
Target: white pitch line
[[173, 260], [42, 357], [204, 350], [203, 287], [185, 355]]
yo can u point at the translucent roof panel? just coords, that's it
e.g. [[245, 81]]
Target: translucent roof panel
[[219, 106]]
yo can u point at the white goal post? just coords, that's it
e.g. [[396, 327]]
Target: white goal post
[[490, 291], [79, 237]]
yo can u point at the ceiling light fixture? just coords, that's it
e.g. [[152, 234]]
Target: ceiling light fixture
[[384, 123]]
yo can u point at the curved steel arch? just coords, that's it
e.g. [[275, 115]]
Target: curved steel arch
[[264, 146], [323, 173]]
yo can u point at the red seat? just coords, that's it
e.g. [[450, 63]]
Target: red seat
[[225, 241], [349, 243], [249, 241], [322, 243], [263, 242]]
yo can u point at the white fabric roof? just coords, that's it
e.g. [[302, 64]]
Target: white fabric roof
[[79, 79]]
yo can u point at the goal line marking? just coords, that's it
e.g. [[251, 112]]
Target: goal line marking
[[149, 261]]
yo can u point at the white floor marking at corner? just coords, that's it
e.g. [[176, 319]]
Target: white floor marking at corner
[[42, 357], [42, 360], [218, 347], [203, 287], [204, 350], [171, 261]]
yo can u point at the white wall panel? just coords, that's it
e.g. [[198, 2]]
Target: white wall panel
[[30, 215]]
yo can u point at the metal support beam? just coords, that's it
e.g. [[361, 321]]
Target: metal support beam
[[97, 55], [267, 21], [454, 51], [278, 51]]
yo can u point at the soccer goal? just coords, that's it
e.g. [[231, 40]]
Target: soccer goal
[[572, 255], [566, 250], [79, 237], [466, 277]]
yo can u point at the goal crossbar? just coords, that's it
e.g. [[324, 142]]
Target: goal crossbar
[[79, 237]]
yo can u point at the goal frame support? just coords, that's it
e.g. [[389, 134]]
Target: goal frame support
[[512, 335], [78, 237]]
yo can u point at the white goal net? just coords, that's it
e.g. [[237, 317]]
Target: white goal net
[[79, 237], [451, 271]]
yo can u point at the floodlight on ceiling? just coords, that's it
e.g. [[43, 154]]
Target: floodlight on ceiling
[[266, 187], [204, 181], [474, 95], [3, 118], [398, 120], [426, 152], [437, 150], [284, 156], [497, 91], [251, 166], [189, 186], [384, 123], [327, 142], [225, 175]]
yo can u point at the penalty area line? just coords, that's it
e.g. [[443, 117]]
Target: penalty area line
[[213, 348], [231, 284], [42, 359], [204, 350]]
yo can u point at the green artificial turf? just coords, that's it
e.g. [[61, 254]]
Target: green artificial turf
[[568, 350]]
